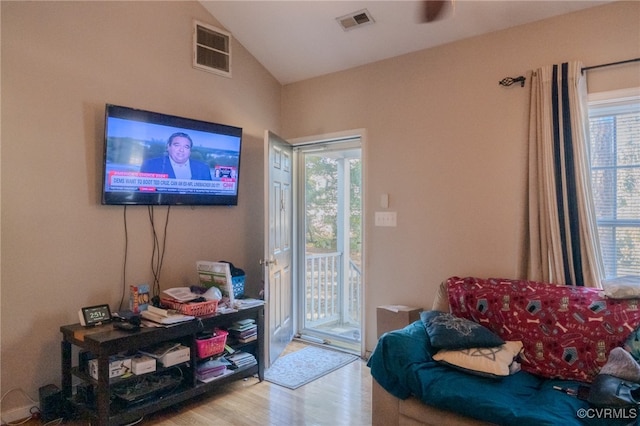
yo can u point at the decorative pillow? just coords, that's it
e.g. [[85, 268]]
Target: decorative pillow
[[447, 331], [567, 332], [622, 365], [441, 301], [632, 344], [489, 362], [618, 290]]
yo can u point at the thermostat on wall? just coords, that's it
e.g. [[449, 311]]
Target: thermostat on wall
[[94, 315]]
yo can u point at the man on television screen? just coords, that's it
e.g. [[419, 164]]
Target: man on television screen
[[177, 164]]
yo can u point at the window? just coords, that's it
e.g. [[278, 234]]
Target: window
[[614, 131]]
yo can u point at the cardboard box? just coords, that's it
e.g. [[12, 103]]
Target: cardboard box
[[143, 364], [118, 366], [170, 354], [175, 356], [395, 317]]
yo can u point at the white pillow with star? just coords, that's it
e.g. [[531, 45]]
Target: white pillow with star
[[490, 362]]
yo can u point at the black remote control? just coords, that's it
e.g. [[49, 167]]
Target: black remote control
[[127, 326]]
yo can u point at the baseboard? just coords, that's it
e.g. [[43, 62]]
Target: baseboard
[[16, 414]]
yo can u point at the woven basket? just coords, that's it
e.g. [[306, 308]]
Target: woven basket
[[198, 309]]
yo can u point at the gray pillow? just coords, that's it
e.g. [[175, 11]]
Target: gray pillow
[[632, 344], [446, 331]]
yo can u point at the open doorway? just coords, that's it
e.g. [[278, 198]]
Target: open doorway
[[329, 241]]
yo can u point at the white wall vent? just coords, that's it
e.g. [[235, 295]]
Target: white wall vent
[[355, 20], [211, 49]]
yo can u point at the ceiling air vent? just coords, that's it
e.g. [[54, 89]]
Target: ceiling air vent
[[355, 20], [211, 49]]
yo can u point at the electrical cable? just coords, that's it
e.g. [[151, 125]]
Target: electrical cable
[[164, 240], [27, 396], [158, 250], [135, 422], [154, 236], [23, 393], [154, 256], [124, 263], [21, 422]]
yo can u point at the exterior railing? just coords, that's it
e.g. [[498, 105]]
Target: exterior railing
[[355, 293], [329, 298]]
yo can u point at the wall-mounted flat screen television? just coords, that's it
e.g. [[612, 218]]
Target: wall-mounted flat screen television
[[158, 159]]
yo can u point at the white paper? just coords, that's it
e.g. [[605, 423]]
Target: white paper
[[181, 294], [216, 274], [395, 308]]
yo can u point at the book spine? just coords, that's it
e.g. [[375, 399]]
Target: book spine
[[135, 308]]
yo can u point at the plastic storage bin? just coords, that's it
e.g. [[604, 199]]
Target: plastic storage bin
[[209, 370], [213, 345], [238, 285]]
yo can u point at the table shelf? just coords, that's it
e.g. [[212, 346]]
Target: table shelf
[[104, 341]]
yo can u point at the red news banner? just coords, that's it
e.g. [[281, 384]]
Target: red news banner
[[150, 182]]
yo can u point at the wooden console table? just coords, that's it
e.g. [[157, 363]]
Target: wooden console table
[[104, 341]]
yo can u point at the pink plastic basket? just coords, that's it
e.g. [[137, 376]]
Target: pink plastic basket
[[213, 346]]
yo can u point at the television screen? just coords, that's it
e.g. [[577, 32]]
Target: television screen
[[159, 159]]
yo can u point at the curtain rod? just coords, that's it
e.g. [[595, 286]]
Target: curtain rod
[[609, 64], [508, 81]]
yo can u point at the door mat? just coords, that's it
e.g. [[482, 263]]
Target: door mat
[[305, 365]]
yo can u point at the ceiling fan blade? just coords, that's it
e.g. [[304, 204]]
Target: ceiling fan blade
[[433, 10]]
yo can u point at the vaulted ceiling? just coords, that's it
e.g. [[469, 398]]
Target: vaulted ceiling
[[297, 40]]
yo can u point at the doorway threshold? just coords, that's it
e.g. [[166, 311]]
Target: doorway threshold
[[330, 342]]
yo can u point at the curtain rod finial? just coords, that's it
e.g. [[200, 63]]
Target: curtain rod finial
[[508, 81]]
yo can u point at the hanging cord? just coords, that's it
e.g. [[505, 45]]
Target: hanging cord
[[124, 263], [157, 254], [34, 411]]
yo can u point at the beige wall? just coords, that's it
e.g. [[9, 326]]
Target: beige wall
[[449, 145], [61, 249]]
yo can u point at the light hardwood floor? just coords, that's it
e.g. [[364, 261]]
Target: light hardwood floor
[[342, 397]]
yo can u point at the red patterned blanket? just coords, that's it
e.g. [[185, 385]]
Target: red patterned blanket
[[567, 332]]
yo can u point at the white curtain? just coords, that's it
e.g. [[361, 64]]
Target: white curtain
[[560, 238]]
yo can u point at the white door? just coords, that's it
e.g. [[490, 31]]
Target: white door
[[278, 256]]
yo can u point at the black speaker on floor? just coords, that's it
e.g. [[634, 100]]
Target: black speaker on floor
[[51, 406]]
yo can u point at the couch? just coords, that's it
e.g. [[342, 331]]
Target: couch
[[563, 336]]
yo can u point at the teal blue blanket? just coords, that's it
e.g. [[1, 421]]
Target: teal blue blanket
[[401, 363]]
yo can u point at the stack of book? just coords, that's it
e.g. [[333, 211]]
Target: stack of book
[[244, 331], [241, 359], [247, 303], [163, 317]]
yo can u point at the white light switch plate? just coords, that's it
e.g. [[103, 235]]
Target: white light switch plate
[[386, 219]]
